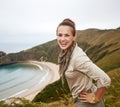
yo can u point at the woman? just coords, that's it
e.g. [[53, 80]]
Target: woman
[[79, 70]]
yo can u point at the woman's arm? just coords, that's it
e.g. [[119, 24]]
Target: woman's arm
[[85, 65], [100, 92], [92, 97]]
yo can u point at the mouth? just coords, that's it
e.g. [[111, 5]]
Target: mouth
[[63, 44]]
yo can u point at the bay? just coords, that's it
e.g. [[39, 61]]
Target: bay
[[17, 78]]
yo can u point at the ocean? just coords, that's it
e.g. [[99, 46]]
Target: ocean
[[18, 78]]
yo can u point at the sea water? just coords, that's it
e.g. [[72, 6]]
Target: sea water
[[16, 78]]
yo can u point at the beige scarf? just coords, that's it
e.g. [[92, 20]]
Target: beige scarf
[[63, 61]]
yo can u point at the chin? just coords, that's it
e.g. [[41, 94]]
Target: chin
[[63, 48]]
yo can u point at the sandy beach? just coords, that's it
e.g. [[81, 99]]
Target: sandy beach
[[50, 77]]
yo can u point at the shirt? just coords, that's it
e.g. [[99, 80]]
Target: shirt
[[82, 71]]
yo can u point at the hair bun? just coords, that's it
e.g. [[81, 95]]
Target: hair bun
[[67, 20]]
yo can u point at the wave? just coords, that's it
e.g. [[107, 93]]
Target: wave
[[18, 93], [9, 89]]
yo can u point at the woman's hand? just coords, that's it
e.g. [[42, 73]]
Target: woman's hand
[[88, 97]]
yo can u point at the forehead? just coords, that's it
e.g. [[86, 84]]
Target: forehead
[[65, 29]]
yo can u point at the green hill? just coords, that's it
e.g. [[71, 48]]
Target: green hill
[[103, 48]]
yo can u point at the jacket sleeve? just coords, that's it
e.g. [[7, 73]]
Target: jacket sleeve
[[86, 66]]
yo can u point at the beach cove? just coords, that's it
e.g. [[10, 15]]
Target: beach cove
[[51, 75]]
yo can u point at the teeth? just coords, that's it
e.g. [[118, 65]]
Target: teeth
[[63, 44]]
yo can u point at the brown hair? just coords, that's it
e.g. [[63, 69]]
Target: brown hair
[[68, 22]]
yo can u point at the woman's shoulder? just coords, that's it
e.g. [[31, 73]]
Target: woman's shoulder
[[79, 55], [78, 51]]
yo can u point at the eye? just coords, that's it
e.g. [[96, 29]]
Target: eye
[[67, 35], [59, 35]]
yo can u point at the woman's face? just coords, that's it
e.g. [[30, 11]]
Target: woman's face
[[65, 36]]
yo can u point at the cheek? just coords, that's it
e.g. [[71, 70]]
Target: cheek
[[71, 39], [58, 41]]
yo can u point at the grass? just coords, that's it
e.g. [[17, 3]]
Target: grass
[[111, 61], [112, 98]]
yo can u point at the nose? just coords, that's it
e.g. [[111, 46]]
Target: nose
[[62, 38]]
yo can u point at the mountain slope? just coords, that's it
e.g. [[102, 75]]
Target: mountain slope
[[102, 46]]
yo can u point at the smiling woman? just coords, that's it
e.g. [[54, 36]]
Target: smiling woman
[[78, 70]]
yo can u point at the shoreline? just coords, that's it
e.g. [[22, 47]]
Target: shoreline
[[51, 76]]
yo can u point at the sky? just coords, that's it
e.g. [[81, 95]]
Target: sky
[[28, 23]]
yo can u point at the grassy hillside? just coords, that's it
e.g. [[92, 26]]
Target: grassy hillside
[[103, 48]]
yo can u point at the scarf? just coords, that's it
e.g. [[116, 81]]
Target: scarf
[[63, 61]]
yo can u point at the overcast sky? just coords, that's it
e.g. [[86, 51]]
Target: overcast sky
[[27, 23]]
